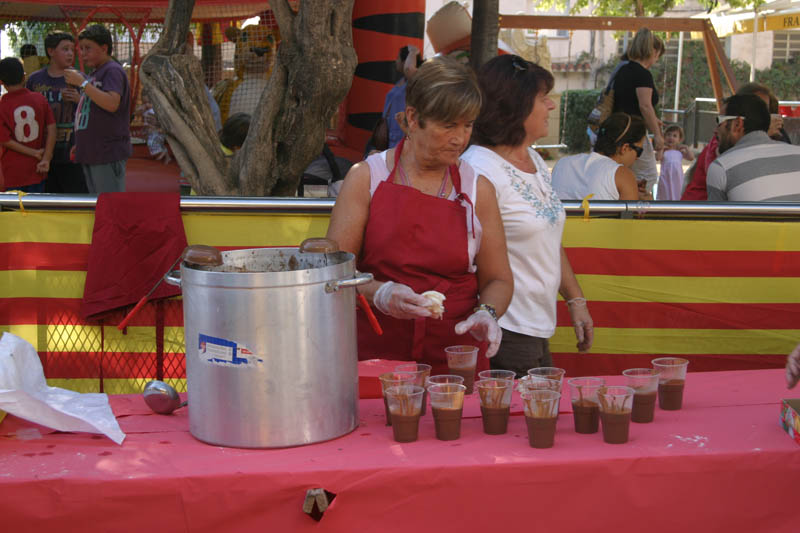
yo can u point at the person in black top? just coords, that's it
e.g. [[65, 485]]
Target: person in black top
[[635, 93]]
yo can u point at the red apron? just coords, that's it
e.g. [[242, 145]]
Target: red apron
[[419, 240]]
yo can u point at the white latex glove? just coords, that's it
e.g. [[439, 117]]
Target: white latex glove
[[793, 367], [582, 323], [399, 301], [482, 326]]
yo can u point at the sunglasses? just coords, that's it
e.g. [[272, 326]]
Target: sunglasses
[[519, 64], [637, 149], [725, 118]]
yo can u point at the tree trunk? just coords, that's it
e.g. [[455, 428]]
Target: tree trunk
[[485, 28], [313, 73]]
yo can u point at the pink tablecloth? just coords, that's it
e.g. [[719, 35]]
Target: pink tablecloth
[[721, 464]]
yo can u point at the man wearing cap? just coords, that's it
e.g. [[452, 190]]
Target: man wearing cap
[[751, 166]]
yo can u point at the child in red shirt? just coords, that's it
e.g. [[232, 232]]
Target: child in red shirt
[[27, 131]]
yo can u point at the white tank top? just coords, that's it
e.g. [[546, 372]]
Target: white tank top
[[378, 172], [577, 176]]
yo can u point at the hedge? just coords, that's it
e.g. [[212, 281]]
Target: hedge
[[578, 104]]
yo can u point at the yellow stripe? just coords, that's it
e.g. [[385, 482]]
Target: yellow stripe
[[680, 341], [46, 226], [682, 235], [253, 230], [110, 386], [68, 338], [667, 289], [42, 283]]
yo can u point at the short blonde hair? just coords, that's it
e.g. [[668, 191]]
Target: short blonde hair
[[643, 45], [444, 90]]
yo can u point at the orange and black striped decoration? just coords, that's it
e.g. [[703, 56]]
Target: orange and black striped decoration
[[380, 29]]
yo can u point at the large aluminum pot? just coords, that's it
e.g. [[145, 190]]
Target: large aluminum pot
[[271, 355]]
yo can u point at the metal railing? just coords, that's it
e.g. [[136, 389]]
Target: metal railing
[[11, 201]]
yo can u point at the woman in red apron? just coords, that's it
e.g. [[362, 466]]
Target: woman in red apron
[[419, 219]]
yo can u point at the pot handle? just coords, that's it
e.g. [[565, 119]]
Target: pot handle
[[173, 278], [360, 279]]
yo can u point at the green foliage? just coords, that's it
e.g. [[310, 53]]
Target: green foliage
[[615, 8], [578, 104], [782, 79], [20, 33]]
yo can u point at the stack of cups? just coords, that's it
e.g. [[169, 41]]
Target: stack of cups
[[405, 407], [671, 381], [462, 360], [393, 379], [447, 402], [644, 382], [615, 413], [585, 405], [495, 397], [541, 415], [421, 373]]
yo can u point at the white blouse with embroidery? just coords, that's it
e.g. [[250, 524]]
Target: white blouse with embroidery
[[533, 218]]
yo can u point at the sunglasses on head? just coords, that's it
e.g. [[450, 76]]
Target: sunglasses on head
[[637, 149], [519, 64], [725, 118]]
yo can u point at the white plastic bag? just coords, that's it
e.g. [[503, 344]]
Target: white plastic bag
[[25, 393]]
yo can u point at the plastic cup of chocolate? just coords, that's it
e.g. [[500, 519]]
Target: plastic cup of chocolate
[[447, 403], [444, 378], [548, 372], [671, 381], [393, 379], [462, 360], [616, 403], [495, 398], [541, 416], [644, 381], [585, 405], [421, 373], [405, 407], [497, 374]]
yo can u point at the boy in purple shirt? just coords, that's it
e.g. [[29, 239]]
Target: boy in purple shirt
[[64, 176], [102, 121]]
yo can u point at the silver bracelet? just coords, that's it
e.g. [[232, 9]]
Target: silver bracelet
[[577, 301]]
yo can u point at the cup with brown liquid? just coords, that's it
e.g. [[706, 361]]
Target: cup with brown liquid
[[551, 373], [616, 404], [421, 373], [585, 405], [405, 407], [462, 360], [541, 415], [644, 382], [447, 403], [393, 379], [671, 381], [495, 397]]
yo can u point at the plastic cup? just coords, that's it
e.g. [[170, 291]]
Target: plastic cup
[[548, 372], [616, 404], [447, 403], [541, 415], [495, 397], [585, 405], [421, 373], [405, 407], [497, 374], [443, 379], [644, 381], [671, 381], [462, 360], [393, 379]]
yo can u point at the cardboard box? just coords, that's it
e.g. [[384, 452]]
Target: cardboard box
[[790, 418]]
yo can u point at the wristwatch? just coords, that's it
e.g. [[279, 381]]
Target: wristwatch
[[84, 84], [489, 308]]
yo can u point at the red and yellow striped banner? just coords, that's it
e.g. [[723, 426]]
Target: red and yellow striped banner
[[724, 294]]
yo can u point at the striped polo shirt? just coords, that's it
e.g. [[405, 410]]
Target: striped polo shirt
[[756, 169]]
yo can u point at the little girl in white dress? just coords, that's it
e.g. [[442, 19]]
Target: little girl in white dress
[[670, 183]]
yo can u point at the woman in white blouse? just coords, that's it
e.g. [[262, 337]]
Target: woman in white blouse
[[605, 173], [514, 114]]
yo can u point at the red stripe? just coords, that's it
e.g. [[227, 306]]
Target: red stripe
[[680, 263], [592, 364], [83, 365], [43, 256], [687, 316], [66, 311]]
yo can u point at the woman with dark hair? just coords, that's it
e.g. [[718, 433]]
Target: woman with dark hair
[[605, 173], [514, 114], [420, 219]]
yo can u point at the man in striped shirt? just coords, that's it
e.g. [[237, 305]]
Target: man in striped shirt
[[751, 166]]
